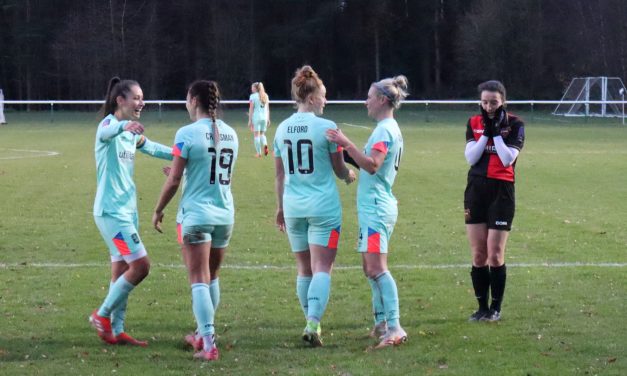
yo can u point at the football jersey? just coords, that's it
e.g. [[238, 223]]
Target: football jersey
[[115, 165], [490, 165], [260, 111], [310, 189], [207, 197], [374, 192]]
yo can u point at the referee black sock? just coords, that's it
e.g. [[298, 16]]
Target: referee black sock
[[498, 275], [481, 283]]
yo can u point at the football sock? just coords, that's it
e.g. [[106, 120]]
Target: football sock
[[264, 140], [377, 302], [498, 275], [117, 315], [302, 287], [389, 295], [481, 283], [257, 145], [118, 293], [318, 296], [214, 291], [203, 308]]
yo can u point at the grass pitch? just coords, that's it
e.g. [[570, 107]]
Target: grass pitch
[[565, 303]]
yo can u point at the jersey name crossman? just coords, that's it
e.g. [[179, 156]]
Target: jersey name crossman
[[490, 165], [206, 198]]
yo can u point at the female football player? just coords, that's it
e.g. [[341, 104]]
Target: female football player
[[205, 152], [308, 202], [493, 140], [119, 135], [376, 205], [259, 117]]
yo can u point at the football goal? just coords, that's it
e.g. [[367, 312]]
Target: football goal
[[2, 119], [593, 96]]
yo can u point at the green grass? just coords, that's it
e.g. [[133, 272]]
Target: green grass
[[557, 319]]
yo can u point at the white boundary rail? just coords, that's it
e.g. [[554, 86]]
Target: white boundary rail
[[426, 102]]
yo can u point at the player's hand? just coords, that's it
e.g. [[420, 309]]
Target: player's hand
[[166, 170], [157, 220], [487, 123], [500, 121], [351, 177], [134, 127], [280, 220], [336, 136]]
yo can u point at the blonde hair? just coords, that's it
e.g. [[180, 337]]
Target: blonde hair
[[305, 83], [263, 97], [394, 89]]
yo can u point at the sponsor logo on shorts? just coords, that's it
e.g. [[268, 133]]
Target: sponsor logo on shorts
[[501, 223], [135, 238]]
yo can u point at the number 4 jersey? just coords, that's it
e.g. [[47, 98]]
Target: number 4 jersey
[[310, 190], [207, 197], [374, 192]]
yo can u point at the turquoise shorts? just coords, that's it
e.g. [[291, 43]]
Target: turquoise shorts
[[218, 235], [374, 233], [323, 231], [260, 125], [121, 236]]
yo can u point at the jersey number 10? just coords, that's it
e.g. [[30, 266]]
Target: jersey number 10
[[300, 144]]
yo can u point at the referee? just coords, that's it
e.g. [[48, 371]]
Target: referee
[[493, 141]]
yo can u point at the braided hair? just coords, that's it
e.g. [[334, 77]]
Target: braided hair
[[207, 93]]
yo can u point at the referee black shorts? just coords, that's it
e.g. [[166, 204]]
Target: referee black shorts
[[489, 201]]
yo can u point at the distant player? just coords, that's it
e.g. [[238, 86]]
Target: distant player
[[493, 140], [259, 117], [119, 135], [308, 202], [376, 205], [205, 152]]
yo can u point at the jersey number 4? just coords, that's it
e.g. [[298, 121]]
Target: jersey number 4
[[225, 160], [301, 145]]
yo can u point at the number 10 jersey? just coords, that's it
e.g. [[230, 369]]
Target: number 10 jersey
[[310, 189]]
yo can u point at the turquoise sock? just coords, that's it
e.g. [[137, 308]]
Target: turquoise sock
[[377, 302], [318, 296], [302, 287], [389, 295], [203, 308], [214, 291], [257, 145], [118, 315], [118, 293]]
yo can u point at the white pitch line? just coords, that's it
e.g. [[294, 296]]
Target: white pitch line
[[341, 267], [41, 153], [355, 125]]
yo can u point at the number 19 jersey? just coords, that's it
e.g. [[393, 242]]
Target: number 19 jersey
[[310, 189], [207, 198]]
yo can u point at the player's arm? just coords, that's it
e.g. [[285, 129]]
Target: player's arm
[[169, 189], [340, 169], [279, 186], [506, 154], [154, 149], [107, 133], [251, 108], [371, 163], [268, 113], [475, 149]]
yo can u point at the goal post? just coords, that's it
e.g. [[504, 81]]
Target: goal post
[[592, 96]]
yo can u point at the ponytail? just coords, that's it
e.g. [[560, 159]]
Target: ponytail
[[207, 93], [116, 87]]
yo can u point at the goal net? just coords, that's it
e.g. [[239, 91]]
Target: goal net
[[599, 91]]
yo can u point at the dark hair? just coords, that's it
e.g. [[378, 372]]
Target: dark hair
[[207, 93], [493, 86], [304, 83], [117, 87]]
